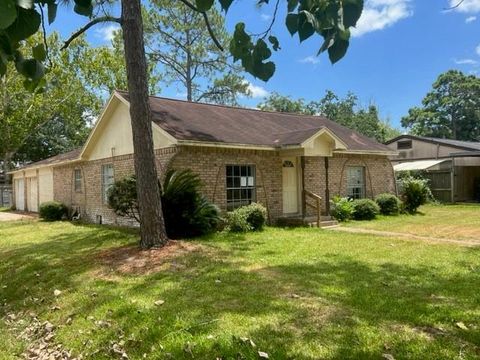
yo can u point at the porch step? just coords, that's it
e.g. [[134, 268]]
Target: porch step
[[311, 221], [324, 224]]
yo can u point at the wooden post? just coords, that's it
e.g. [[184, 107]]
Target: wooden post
[[452, 181], [327, 188], [304, 204]]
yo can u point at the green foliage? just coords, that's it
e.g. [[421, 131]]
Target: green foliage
[[365, 209], [178, 41], [39, 124], [247, 218], [341, 208], [416, 192], [450, 110], [186, 212], [122, 198], [389, 204], [52, 211], [345, 111], [331, 20]]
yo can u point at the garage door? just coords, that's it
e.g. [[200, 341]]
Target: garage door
[[19, 195], [32, 192]]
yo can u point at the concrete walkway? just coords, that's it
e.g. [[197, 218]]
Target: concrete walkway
[[12, 216], [406, 236]]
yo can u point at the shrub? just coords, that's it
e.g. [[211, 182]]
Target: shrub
[[247, 218], [415, 193], [237, 221], [186, 212], [341, 208], [122, 198], [52, 211], [389, 204], [365, 209]]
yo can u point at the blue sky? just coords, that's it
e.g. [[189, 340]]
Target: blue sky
[[397, 51]]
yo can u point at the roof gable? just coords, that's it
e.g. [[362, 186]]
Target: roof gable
[[188, 121]]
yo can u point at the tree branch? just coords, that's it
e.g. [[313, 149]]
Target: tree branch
[[207, 23], [96, 21], [455, 6], [274, 17]]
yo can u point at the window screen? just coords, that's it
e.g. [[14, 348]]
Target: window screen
[[240, 185], [77, 174], [107, 180], [404, 144], [356, 182]]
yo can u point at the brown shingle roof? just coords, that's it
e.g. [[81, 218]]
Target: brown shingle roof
[[57, 159], [224, 124]]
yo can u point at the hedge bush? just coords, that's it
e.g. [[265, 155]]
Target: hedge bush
[[341, 208], [247, 218], [415, 193], [52, 211], [186, 212], [389, 204], [365, 209]]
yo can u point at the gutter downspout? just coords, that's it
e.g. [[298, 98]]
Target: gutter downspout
[[327, 189]]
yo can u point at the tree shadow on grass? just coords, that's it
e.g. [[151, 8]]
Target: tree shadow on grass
[[335, 307]]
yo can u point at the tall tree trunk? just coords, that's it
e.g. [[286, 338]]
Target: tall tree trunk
[[152, 226], [189, 69]]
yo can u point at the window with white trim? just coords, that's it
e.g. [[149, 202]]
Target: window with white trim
[[356, 182], [107, 180], [77, 179], [240, 185]]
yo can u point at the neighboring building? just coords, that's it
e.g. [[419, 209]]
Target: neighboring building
[[452, 166], [241, 155]]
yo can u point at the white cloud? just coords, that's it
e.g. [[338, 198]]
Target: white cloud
[[380, 14], [467, 6], [107, 33], [470, 19], [477, 50], [257, 91], [310, 60], [266, 17], [466, 62]]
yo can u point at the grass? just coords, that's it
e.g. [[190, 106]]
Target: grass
[[297, 294], [442, 221]]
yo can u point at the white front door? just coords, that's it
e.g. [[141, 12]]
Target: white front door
[[290, 185], [19, 195], [32, 191]]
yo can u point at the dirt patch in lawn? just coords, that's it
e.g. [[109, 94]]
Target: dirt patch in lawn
[[132, 260]]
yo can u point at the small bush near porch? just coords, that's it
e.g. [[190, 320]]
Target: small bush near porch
[[292, 294]]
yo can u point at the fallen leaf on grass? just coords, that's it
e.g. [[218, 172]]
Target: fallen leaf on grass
[[461, 325], [57, 292], [263, 355], [388, 356], [159, 302]]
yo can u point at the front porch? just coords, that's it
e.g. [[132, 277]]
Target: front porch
[[305, 187]]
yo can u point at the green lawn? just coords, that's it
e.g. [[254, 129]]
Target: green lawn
[[297, 294], [442, 221]]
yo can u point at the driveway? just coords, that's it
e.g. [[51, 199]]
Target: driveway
[[11, 216]]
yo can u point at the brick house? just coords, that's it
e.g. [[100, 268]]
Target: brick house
[[283, 161]]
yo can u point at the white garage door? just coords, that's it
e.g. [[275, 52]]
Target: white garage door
[[19, 195], [32, 191]]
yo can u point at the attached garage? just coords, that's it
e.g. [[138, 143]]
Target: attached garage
[[19, 193], [32, 188]]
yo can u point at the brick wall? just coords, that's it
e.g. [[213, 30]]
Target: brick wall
[[379, 175], [210, 165], [89, 200]]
